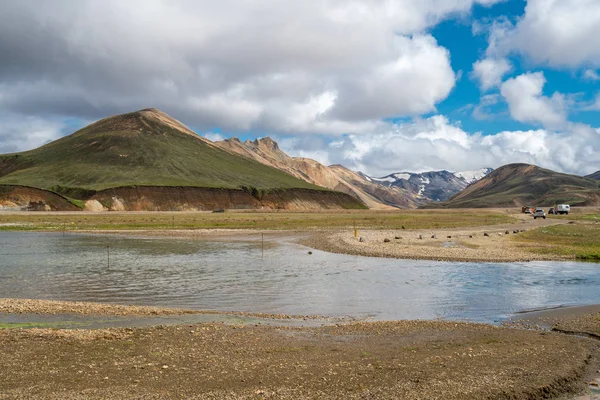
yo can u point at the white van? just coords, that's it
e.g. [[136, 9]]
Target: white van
[[562, 209]]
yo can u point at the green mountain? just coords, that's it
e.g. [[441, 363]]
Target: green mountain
[[595, 175], [143, 148], [525, 184]]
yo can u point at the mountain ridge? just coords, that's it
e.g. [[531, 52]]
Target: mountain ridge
[[522, 184], [267, 151], [595, 175], [433, 185]]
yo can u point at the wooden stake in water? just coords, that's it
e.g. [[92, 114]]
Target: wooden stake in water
[[262, 244], [108, 255]]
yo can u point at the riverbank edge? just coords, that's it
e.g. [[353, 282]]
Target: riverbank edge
[[468, 245], [579, 369], [56, 307]]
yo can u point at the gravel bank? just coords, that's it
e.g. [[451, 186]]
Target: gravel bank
[[53, 307], [483, 244], [30, 306], [383, 360]]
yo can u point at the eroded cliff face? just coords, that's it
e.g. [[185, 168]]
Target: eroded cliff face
[[24, 198], [165, 198], [162, 198]]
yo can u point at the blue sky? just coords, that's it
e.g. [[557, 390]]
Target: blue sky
[[378, 86]]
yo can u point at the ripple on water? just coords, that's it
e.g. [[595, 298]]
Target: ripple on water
[[235, 277]]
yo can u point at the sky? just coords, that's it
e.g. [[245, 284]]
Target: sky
[[375, 85]]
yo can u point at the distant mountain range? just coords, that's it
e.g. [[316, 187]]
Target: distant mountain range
[[433, 185], [525, 184]]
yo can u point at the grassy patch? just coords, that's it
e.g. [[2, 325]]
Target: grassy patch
[[27, 325], [77, 203], [579, 240], [413, 219], [584, 217]]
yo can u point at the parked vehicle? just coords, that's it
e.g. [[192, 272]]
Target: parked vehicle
[[539, 212], [562, 209], [527, 209], [551, 211]]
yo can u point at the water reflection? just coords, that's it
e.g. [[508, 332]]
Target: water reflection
[[234, 277]]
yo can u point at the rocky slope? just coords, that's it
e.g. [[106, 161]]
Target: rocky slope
[[525, 184], [335, 177]]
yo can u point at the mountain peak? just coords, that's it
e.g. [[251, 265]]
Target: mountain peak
[[266, 142], [149, 120], [162, 117]]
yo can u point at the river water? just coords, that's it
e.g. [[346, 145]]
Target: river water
[[235, 276]]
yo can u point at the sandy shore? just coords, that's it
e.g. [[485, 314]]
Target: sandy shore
[[484, 244]]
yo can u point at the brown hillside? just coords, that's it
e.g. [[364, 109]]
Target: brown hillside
[[525, 184], [208, 199], [335, 177]]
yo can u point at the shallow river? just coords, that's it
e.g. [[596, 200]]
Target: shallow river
[[236, 277]]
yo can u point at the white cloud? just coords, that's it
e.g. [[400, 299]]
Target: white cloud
[[213, 136], [20, 132], [482, 110], [527, 103], [435, 143], [490, 71], [591, 75], [266, 66], [560, 33], [594, 105]]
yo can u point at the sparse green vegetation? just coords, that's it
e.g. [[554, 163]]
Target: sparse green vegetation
[[409, 219], [579, 240], [77, 203], [73, 192]]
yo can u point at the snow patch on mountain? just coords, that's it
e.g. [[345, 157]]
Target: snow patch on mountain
[[401, 176], [473, 176], [385, 179]]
